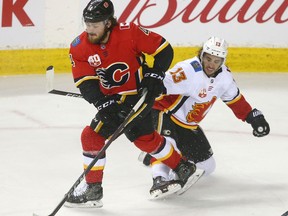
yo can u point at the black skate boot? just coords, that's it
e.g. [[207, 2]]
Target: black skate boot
[[187, 174], [162, 187], [88, 196]]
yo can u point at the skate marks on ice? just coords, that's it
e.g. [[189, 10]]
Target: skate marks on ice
[[251, 176]]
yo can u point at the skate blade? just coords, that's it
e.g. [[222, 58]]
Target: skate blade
[[89, 204], [158, 194], [191, 181]]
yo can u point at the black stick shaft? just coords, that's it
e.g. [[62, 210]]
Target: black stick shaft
[[108, 142], [65, 93]]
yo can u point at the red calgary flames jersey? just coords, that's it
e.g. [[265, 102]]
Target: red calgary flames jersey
[[119, 59]]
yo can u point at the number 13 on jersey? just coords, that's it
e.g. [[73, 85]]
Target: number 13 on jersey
[[178, 75]]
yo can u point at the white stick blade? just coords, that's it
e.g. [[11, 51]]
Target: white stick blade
[[49, 78], [34, 214]]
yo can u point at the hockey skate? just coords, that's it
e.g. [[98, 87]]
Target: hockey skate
[[192, 180], [188, 175], [162, 187], [87, 196]]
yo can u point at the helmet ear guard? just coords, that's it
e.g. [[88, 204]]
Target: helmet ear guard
[[215, 46], [98, 10]]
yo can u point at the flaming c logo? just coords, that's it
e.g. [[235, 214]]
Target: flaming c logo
[[113, 76], [199, 111]]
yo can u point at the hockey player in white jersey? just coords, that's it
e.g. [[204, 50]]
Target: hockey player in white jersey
[[192, 87]]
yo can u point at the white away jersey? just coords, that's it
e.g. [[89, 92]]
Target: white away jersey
[[191, 93]]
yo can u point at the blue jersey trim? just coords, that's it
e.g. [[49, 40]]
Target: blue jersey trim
[[196, 65], [76, 41]]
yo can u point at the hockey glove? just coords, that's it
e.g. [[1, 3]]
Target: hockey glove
[[110, 111], [259, 124], [153, 82]]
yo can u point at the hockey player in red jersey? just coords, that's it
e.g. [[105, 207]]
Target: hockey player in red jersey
[[109, 69], [192, 87]]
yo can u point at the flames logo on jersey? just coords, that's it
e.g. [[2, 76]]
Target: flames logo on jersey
[[202, 93], [199, 111], [113, 76]]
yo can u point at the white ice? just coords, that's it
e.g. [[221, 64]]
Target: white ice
[[41, 157]]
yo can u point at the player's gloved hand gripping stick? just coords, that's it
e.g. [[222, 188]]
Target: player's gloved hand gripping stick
[[135, 111]]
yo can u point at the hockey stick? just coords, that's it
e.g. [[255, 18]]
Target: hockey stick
[[136, 110], [65, 93], [138, 107], [49, 85]]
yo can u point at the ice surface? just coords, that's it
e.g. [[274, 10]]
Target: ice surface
[[41, 155]]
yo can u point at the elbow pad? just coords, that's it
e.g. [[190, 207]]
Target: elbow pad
[[90, 91], [163, 59]]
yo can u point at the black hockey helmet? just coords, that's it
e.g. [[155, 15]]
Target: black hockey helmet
[[98, 10]]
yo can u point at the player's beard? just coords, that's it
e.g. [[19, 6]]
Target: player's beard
[[99, 39]]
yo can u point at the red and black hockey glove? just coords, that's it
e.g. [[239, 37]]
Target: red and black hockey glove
[[153, 82], [259, 124]]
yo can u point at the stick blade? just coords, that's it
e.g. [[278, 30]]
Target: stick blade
[[49, 78], [34, 214]]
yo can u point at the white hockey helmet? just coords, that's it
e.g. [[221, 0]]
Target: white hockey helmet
[[215, 46]]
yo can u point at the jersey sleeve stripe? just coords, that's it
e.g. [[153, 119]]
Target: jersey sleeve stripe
[[235, 99], [177, 104], [81, 80], [160, 48]]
